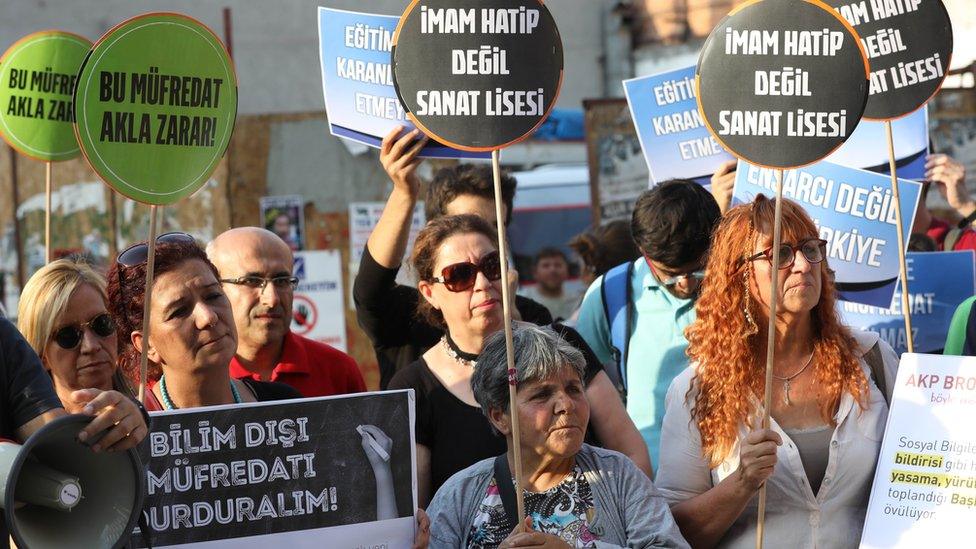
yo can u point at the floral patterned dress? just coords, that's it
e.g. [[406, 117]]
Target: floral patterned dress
[[564, 511]]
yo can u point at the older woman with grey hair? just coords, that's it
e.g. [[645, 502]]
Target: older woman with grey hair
[[575, 495]]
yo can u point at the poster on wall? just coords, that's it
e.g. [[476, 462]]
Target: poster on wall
[[317, 309], [363, 217], [618, 171], [285, 217]]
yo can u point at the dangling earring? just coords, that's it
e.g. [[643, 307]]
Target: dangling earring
[[751, 327]]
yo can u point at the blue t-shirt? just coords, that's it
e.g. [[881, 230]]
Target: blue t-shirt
[[656, 353]]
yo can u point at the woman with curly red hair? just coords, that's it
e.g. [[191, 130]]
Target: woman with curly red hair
[[828, 415]]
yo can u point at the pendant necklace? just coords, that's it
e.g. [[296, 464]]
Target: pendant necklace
[[786, 381]]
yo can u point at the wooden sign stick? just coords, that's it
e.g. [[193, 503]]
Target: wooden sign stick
[[150, 267], [771, 339], [47, 213], [902, 264], [507, 301]]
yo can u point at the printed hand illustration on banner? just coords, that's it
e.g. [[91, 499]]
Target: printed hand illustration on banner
[[377, 447]]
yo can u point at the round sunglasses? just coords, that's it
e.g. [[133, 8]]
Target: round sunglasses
[[814, 250], [459, 277], [70, 336]]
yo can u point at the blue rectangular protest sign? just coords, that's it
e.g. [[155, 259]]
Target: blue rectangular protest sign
[[867, 147], [677, 144], [854, 211], [672, 133], [357, 80], [937, 283]]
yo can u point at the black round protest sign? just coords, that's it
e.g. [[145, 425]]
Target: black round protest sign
[[908, 44], [474, 74], [782, 83]]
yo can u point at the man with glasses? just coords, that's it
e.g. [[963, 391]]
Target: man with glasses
[[634, 316], [256, 272]]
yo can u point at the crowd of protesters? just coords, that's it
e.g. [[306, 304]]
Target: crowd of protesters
[[638, 402]]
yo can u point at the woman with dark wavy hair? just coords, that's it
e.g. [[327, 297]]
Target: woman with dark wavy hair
[[828, 414]]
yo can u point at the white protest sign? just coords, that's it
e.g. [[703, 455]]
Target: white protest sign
[[924, 492], [363, 217], [317, 310]]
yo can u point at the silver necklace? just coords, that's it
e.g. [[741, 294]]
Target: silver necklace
[[455, 355], [786, 381]]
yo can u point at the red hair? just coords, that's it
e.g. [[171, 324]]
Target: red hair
[[730, 352]]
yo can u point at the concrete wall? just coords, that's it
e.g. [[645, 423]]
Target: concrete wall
[[275, 42]]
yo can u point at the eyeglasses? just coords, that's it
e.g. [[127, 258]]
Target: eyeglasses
[[813, 249], [137, 254], [462, 276], [259, 282], [70, 336], [696, 275], [692, 276]]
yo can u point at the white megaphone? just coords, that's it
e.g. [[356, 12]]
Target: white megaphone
[[57, 492]]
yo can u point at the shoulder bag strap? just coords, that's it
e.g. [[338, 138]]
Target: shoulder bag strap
[[506, 488], [876, 363]]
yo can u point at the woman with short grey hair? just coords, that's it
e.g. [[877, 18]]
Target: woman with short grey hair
[[540, 351], [575, 495]]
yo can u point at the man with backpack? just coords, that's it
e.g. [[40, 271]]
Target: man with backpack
[[635, 315]]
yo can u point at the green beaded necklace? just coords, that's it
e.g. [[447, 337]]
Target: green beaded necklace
[[168, 403]]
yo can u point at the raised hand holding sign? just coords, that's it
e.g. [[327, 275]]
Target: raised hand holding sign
[[480, 75]]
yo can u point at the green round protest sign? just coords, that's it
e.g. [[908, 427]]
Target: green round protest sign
[[156, 103], [37, 82]]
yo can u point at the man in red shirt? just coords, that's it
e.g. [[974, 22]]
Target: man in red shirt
[[949, 177], [256, 272]]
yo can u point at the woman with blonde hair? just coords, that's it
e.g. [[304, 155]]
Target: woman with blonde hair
[[828, 414], [62, 314]]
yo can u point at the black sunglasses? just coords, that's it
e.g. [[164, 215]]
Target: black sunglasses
[[137, 254], [70, 336], [813, 249], [459, 277]]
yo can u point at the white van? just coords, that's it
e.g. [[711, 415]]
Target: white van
[[552, 205]]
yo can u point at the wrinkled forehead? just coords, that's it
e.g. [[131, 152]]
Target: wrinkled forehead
[[188, 277], [559, 377]]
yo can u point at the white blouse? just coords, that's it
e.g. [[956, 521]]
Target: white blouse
[[795, 516]]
